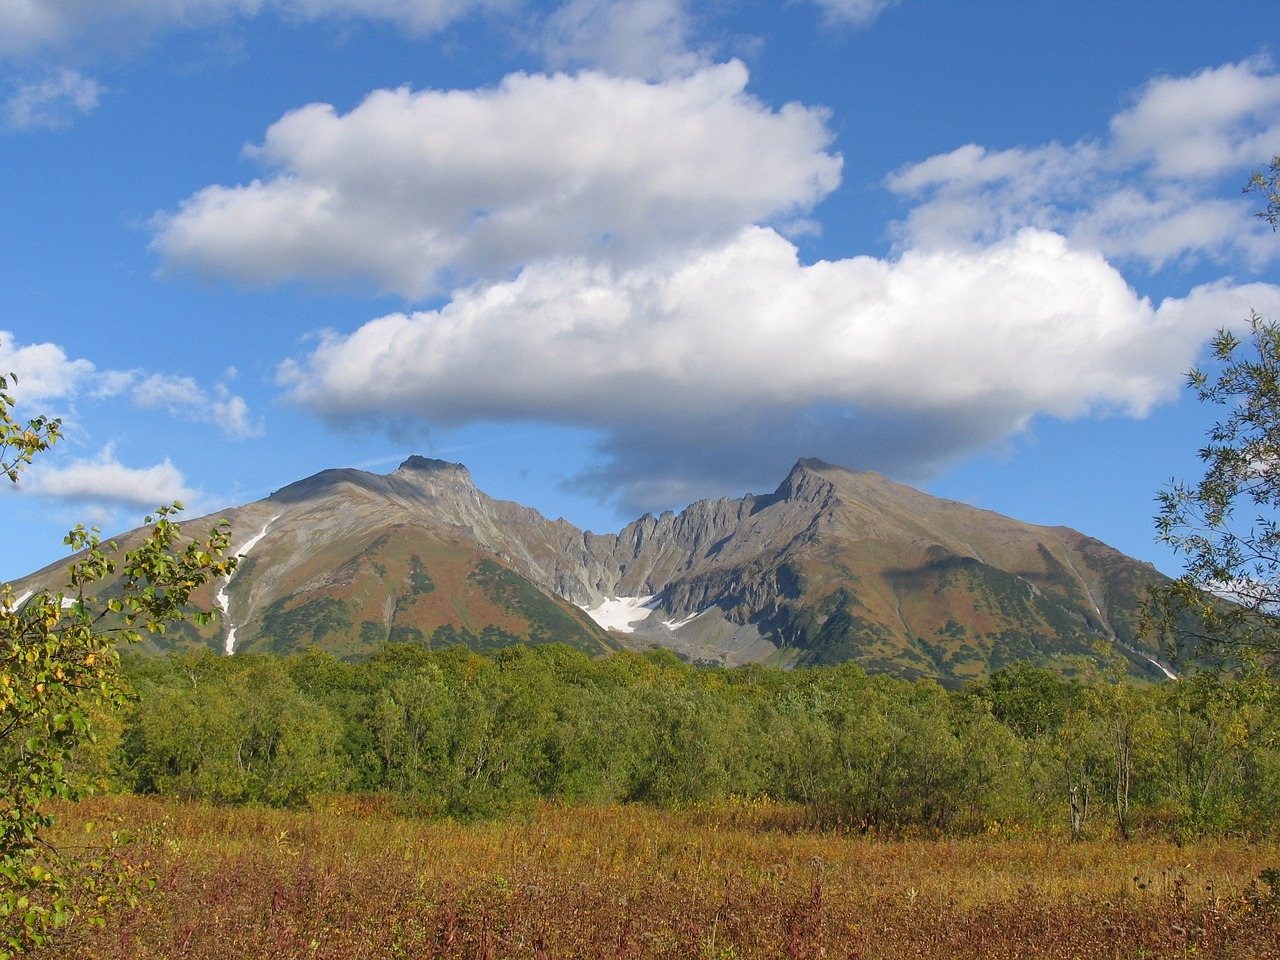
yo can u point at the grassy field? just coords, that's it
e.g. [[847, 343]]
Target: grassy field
[[351, 881]]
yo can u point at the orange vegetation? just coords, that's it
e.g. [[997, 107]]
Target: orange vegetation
[[351, 880]]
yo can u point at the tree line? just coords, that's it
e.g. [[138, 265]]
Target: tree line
[[454, 733]]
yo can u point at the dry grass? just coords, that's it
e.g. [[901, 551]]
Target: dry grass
[[352, 881]]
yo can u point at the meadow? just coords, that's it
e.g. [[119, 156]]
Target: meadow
[[351, 879]]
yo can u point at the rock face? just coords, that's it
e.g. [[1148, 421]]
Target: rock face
[[834, 565]]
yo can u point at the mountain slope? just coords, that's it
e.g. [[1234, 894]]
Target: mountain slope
[[834, 565], [839, 565]]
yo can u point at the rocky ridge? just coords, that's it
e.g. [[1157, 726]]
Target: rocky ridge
[[834, 565]]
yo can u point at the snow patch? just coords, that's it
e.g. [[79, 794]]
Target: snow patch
[[622, 613], [221, 597], [1146, 656], [677, 624], [17, 604]]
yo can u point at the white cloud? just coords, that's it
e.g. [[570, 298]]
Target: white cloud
[[638, 38], [231, 415], [29, 26], [43, 371], [45, 376], [417, 191], [182, 396], [52, 102], [627, 278], [1151, 192], [416, 16], [172, 393], [106, 481], [742, 353], [859, 13], [1218, 121], [112, 383]]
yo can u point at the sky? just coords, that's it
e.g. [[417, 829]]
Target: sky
[[619, 255]]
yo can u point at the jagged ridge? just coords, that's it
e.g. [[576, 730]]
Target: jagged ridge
[[833, 565]]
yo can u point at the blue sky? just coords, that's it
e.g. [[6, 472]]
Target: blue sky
[[618, 255]]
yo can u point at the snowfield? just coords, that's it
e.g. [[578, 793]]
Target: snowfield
[[622, 613]]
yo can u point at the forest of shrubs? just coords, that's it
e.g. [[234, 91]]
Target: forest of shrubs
[[457, 734]]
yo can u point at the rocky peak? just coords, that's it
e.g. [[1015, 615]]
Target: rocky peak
[[807, 483], [434, 479], [430, 465]]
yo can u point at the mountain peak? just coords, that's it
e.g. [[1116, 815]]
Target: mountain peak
[[830, 471], [414, 468], [320, 484], [430, 465], [814, 464], [808, 481]]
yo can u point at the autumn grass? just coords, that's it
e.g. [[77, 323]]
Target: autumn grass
[[351, 880]]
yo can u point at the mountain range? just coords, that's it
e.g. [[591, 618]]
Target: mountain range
[[835, 565]]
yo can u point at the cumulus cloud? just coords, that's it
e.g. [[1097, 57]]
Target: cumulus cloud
[[859, 13], [1217, 121], [46, 375], [105, 481], [173, 393], [43, 371], [182, 396], [639, 38], [416, 16], [52, 102], [645, 38], [614, 260], [1151, 191], [421, 191], [29, 26], [745, 356]]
